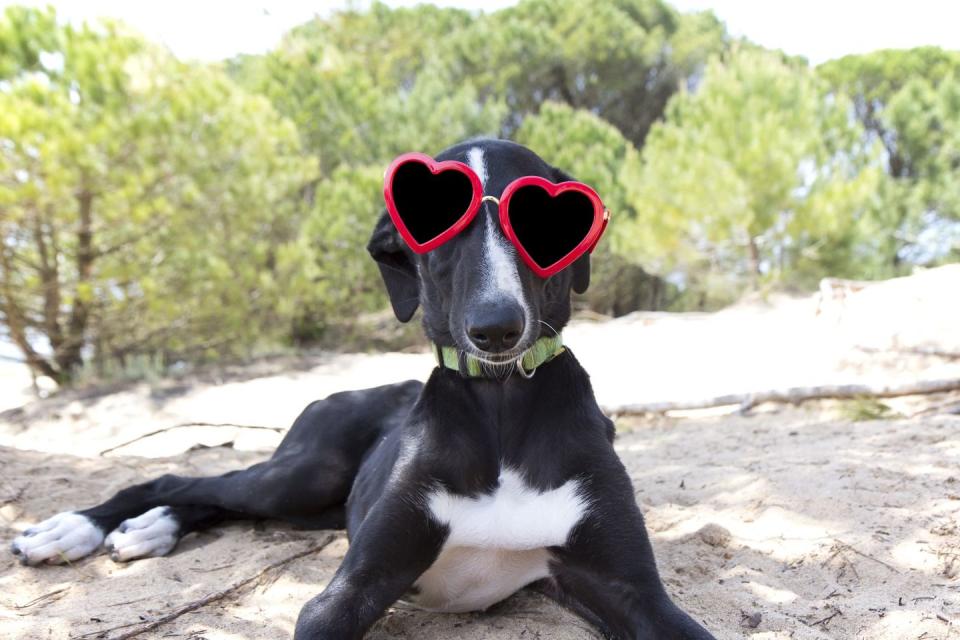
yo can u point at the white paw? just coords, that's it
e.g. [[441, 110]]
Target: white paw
[[63, 538], [154, 533]]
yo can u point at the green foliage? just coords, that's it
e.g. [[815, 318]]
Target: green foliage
[[872, 80], [24, 35], [326, 269], [354, 87], [619, 59], [142, 201], [741, 185], [864, 409], [908, 102]]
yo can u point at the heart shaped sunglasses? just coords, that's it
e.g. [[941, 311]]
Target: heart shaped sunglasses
[[550, 224]]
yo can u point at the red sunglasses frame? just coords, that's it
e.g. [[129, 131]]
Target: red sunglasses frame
[[600, 214]]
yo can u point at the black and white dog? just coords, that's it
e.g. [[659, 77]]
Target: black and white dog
[[455, 493]]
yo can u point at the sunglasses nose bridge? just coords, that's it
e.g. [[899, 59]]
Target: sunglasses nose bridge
[[493, 199]]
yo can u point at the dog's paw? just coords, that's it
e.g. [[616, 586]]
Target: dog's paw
[[63, 538], [154, 533]]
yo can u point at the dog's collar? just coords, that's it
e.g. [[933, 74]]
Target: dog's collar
[[542, 351]]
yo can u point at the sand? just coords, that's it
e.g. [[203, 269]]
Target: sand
[[789, 523]]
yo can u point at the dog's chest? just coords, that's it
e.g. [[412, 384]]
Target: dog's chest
[[497, 542]]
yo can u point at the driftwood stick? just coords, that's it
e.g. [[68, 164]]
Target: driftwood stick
[[144, 436], [212, 597], [915, 351], [794, 395]]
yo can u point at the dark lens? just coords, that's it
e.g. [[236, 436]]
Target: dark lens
[[430, 204], [549, 228]]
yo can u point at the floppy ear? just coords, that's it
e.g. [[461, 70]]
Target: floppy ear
[[396, 268], [581, 266], [581, 273]]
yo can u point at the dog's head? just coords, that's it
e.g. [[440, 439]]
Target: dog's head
[[477, 294]]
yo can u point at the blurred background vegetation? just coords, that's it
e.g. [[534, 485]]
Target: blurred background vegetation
[[171, 212]]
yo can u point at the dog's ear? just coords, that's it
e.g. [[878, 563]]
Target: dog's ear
[[396, 268], [581, 266], [581, 273]]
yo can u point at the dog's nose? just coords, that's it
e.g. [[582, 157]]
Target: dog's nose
[[495, 327]]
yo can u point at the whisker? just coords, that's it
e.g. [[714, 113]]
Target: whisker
[[499, 359], [547, 325], [498, 371]]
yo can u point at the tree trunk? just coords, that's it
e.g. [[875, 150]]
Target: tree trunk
[[754, 262], [69, 357]]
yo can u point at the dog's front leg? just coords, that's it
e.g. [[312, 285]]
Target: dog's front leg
[[607, 572], [394, 545]]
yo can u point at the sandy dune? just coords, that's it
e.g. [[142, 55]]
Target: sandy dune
[[823, 517], [792, 523]]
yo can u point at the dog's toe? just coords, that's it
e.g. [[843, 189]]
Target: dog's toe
[[63, 538], [155, 533]]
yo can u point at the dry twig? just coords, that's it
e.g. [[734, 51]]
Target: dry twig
[[824, 621], [46, 598], [149, 625], [869, 557], [144, 436]]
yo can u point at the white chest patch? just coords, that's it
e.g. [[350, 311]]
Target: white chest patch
[[515, 516], [497, 542]]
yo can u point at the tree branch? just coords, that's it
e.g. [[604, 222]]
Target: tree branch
[[126, 242], [16, 324], [50, 279]]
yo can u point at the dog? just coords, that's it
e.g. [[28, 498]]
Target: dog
[[496, 474]]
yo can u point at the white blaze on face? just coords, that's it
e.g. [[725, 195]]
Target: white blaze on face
[[502, 281], [477, 163]]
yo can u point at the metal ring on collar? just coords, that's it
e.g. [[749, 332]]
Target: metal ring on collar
[[522, 371]]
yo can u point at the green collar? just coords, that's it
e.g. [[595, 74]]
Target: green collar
[[543, 350]]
